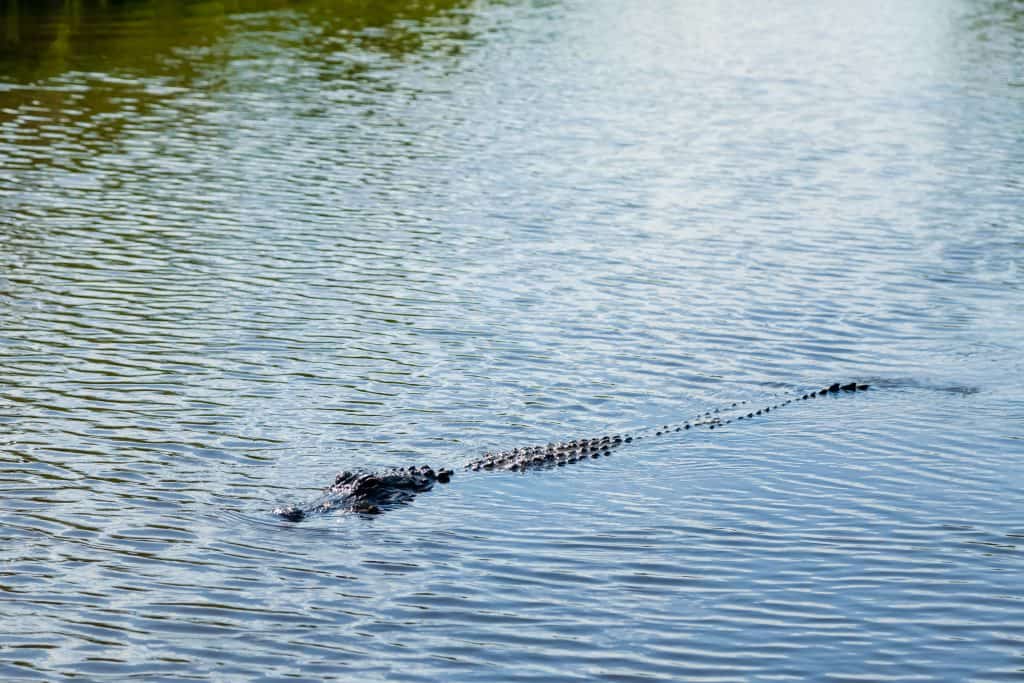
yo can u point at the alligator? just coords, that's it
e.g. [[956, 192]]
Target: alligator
[[371, 492]]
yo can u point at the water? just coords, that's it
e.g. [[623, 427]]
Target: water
[[245, 245]]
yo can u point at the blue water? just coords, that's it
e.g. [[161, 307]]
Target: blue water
[[242, 249]]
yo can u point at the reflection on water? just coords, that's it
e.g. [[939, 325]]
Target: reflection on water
[[46, 38], [244, 245]]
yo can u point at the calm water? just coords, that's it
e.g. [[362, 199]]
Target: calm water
[[244, 245]]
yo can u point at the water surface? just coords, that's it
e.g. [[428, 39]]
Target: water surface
[[245, 245]]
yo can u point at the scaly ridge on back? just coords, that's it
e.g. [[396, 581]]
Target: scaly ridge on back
[[577, 450]]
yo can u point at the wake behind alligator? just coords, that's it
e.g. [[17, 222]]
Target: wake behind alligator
[[370, 492]]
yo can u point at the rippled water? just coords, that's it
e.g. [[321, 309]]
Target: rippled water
[[242, 249]]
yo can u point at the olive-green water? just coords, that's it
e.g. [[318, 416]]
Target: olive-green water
[[247, 244]]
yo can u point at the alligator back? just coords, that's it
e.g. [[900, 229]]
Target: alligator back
[[563, 453]]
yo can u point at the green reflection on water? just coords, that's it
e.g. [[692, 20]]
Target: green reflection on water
[[43, 39]]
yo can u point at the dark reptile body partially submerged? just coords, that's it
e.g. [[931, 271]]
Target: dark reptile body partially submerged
[[369, 492]]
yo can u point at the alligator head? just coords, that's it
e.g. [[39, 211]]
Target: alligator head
[[367, 492]]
